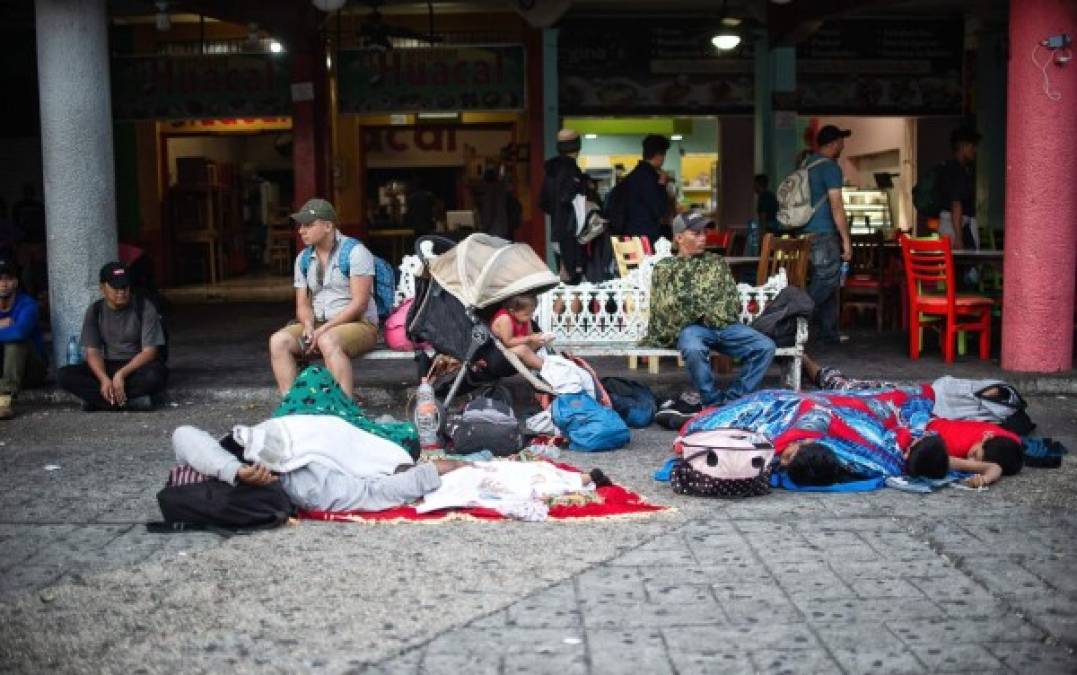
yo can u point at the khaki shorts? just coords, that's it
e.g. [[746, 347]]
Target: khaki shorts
[[357, 338]]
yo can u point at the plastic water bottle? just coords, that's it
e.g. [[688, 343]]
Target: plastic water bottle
[[74, 354], [844, 271], [427, 416]]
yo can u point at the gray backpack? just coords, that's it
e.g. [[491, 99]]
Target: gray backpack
[[795, 207]]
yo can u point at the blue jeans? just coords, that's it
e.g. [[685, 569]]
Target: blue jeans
[[754, 350], [825, 280]]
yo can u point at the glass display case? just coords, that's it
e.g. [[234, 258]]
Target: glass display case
[[867, 209]]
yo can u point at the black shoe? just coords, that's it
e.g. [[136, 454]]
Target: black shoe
[[676, 411], [140, 404]]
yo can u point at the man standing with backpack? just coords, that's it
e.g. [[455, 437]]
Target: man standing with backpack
[[957, 191], [829, 229], [336, 315], [124, 340]]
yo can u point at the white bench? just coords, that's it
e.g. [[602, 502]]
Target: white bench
[[610, 318]]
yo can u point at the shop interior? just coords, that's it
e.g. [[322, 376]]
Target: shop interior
[[226, 203]]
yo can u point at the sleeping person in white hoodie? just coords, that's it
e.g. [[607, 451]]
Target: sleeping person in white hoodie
[[322, 462]]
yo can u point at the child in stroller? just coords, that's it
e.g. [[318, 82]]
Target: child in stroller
[[512, 324]]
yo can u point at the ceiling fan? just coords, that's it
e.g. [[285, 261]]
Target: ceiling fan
[[374, 33]]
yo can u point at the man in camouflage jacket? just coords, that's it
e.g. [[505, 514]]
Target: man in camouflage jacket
[[695, 306]]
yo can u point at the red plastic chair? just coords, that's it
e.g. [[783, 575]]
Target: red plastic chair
[[929, 264], [719, 239]]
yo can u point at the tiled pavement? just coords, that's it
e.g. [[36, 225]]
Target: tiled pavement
[[856, 595]]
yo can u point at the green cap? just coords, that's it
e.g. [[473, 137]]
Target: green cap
[[315, 209]]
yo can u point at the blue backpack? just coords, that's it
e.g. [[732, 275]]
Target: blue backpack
[[632, 400], [589, 426], [384, 290]]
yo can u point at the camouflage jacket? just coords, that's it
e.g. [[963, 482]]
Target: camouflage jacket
[[684, 291]]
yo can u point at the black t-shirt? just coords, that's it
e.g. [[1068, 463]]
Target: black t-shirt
[[767, 204], [958, 184]]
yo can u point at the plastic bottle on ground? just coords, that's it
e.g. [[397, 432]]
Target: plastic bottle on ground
[[74, 353], [427, 417]]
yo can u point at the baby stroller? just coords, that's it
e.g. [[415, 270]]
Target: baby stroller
[[460, 288]]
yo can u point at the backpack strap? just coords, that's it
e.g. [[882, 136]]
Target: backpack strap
[[347, 244], [304, 260]]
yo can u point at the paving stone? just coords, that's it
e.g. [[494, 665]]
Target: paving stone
[[883, 661], [957, 658], [816, 583], [1035, 657], [628, 652], [708, 663], [656, 556], [1007, 578], [471, 663], [716, 639], [649, 615], [919, 631], [885, 588], [24, 579], [573, 663], [678, 594], [755, 612], [792, 662], [554, 607], [855, 610]]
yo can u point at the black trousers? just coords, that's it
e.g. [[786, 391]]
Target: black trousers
[[148, 380]]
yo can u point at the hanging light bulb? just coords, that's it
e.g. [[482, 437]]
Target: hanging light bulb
[[275, 47], [162, 20], [727, 37]]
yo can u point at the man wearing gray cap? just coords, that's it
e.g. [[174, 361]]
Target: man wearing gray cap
[[335, 313], [695, 305]]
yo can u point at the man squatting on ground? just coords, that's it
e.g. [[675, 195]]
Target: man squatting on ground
[[335, 315], [22, 349], [122, 335]]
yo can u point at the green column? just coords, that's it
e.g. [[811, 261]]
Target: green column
[[776, 137]]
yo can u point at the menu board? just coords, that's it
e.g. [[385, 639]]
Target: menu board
[[870, 66], [203, 86], [436, 79], [636, 67]]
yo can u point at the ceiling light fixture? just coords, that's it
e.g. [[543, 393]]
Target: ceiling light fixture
[[275, 47], [676, 137], [590, 137], [162, 20], [727, 37]]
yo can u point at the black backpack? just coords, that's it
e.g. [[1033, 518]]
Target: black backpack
[[191, 501], [487, 423], [633, 401], [214, 504], [140, 305]]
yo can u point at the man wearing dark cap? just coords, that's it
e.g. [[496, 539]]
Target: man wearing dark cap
[[22, 351], [122, 338], [561, 185], [336, 316], [957, 188], [829, 230], [695, 305]]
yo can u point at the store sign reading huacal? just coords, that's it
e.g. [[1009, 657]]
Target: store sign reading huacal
[[438, 79], [195, 87]]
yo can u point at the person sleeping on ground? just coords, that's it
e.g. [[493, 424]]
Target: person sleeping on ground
[[324, 463], [987, 450], [822, 441]]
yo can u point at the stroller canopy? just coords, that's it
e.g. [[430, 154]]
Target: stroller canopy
[[482, 271]]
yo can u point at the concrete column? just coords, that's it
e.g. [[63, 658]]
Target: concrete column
[[1041, 204], [77, 160], [990, 117]]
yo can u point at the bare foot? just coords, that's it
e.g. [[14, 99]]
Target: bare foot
[[255, 474]]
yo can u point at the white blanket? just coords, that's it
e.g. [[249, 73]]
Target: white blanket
[[515, 489], [566, 377], [287, 443]]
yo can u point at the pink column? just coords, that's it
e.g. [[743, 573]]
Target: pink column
[[1041, 201]]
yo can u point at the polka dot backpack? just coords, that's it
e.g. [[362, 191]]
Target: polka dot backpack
[[727, 463]]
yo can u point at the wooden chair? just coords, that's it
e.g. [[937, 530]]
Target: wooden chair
[[791, 254], [863, 287], [628, 252], [929, 264]]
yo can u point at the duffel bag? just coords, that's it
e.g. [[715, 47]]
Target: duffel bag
[[728, 463], [487, 423]]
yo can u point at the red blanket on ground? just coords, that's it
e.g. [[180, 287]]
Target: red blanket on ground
[[612, 502]]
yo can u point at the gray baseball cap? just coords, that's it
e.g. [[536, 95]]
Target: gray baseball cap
[[691, 220]]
